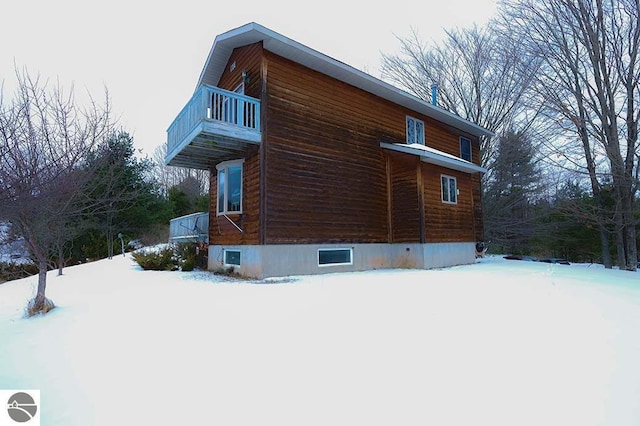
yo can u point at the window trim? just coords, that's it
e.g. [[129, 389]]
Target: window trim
[[462, 138], [442, 192], [224, 257], [420, 138], [349, 249], [225, 166]]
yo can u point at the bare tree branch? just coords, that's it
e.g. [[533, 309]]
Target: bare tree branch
[[44, 140]]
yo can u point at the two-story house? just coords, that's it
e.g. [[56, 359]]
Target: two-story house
[[318, 167]]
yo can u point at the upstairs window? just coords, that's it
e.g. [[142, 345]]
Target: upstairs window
[[465, 149], [415, 130], [449, 189], [230, 187]]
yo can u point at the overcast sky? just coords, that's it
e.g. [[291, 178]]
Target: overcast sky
[[149, 55]]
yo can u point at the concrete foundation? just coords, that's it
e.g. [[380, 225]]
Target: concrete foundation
[[262, 261]]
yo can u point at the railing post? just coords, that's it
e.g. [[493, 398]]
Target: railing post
[[240, 112], [255, 116], [205, 96]]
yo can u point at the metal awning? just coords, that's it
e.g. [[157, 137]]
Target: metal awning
[[434, 156]]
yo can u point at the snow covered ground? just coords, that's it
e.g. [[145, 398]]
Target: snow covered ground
[[496, 343]]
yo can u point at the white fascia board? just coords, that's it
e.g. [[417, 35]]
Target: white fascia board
[[434, 156]]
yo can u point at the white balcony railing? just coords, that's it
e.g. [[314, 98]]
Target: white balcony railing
[[216, 105]]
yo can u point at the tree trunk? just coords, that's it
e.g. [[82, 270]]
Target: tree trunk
[[60, 258], [620, 246], [631, 248], [38, 304], [630, 235], [606, 252], [109, 237]]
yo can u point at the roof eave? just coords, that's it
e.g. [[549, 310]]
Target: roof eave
[[224, 44]]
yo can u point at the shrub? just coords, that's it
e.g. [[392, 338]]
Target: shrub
[[159, 259], [167, 257], [14, 271], [188, 265], [186, 254]]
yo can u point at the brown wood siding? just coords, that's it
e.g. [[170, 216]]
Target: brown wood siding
[[325, 170], [405, 209], [247, 58], [476, 182], [478, 226], [324, 176], [447, 139], [447, 222], [221, 231]]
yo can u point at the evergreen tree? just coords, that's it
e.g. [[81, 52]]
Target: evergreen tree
[[125, 202], [179, 203], [511, 192], [569, 224]]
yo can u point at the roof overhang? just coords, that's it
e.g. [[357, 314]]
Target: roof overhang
[[434, 156], [224, 44]]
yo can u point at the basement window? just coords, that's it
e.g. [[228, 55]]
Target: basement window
[[231, 257], [334, 257]]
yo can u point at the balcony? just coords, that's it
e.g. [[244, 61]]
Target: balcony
[[215, 125]]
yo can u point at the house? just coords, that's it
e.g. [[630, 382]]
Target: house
[[318, 167]]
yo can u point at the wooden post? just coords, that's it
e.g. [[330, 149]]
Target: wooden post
[[389, 198], [262, 205], [420, 185]]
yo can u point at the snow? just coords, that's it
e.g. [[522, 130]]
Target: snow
[[12, 251], [500, 342]]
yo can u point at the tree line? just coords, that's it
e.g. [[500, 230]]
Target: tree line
[[72, 187], [558, 82]]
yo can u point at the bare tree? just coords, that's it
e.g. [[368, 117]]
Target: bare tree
[[480, 77], [44, 140], [170, 176], [589, 81]]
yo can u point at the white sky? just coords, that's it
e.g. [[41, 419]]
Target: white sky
[[149, 55]]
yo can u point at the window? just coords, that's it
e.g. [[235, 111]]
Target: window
[[332, 257], [415, 130], [231, 257], [465, 149], [230, 187], [449, 189]]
